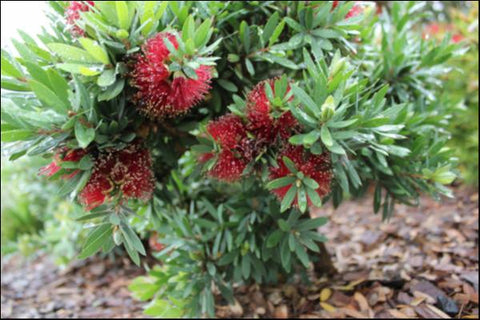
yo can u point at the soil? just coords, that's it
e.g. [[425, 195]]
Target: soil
[[423, 263]]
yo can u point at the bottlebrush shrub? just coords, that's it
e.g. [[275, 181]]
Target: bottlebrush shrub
[[215, 126]]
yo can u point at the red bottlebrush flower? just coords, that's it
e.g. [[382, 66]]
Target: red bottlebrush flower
[[50, 169], [227, 130], [127, 171], [230, 133], [159, 95], [154, 244], [316, 167], [155, 48], [228, 167], [186, 92], [204, 157], [72, 13], [261, 123], [355, 11], [456, 38], [71, 155]]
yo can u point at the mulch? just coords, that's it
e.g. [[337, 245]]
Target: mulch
[[93, 288], [423, 263]]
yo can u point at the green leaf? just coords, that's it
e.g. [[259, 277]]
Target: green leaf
[[284, 226], [305, 99], [285, 255], [327, 33], [202, 33], [71, 53], [48, 97], [132, 253], [326, 136], [274, 238], [296, 139], [16, 135], [112, 91], [342, 124], [280, 182], [132, 238], [144, 288], [276, 33], [162, 308], [122, 14], [289, 164], [398, 151], [282, 61], [95, 50], [107, 78], [190, 72], [228, 258], [93, 215], [302, 199], [336, 148], [95, 240], [311, 137], [302, 255], [227, 85], [270, 27], [310, 183], [250, 68], [245, 34], [84, 134], [14, 84], [311, 224], [288, 198], [314, 197], [246, 266], [9, 67]]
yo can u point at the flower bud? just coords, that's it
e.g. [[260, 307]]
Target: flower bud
[[328, 109], [122, 34]]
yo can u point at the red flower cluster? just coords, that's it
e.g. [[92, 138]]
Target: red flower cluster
[[162, 93], [316, 167], [355, 11], [72, 13], [241, 142], [154, 244], [438, 31], [261, 123], [229, 132], [126, 173], [63, 156]]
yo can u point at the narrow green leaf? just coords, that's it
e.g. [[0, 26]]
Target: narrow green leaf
[[122, 14], [326, 136], [95, 50], [274, 238], [48, 97], [309, 224], [305, 99], [95, 240], [71, 53], [280, 182], [289, 164], [288, 198], [270, 27], [132, 238], [84, 134]]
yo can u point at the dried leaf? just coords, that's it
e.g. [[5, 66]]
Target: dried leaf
[[325, 294], [327, 307]]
